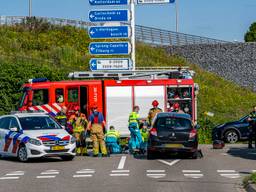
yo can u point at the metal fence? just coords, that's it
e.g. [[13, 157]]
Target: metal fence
[[144, 34]]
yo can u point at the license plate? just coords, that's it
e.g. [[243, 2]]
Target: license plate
[[57, 148], [173, 145]]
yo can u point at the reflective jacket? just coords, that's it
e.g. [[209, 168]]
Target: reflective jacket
[[133, 117], [113, 133], [78, 123], [61, 118], [152, 113], [145, 135]]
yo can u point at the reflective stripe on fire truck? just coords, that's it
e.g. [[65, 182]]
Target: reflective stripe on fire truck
[[53, 110]]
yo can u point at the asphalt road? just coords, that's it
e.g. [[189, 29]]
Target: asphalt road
[[218, 171]]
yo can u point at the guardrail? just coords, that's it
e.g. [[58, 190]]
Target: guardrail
[[144, 34]]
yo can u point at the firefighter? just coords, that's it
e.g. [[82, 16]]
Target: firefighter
[[252, 128], [176, 108], [153, 111], [96, 125], [112, 139], [61, 116], [135, 141], [79, 123]]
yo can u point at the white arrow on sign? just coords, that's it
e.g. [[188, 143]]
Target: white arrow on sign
[[92, 32]]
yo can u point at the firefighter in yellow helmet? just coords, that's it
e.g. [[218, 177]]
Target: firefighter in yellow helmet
[[96, 126], [79, 123], [153, 111]]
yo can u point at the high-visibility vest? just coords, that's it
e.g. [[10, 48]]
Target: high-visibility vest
[[133, 117], [61, 118], [79, 124], [144, 135], [152, 113], [113, 133]]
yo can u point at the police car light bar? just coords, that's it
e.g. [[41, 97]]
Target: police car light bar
[[38, 80]]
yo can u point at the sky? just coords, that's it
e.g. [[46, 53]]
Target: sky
[[221, 19]]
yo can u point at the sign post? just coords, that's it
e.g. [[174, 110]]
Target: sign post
[[133, 35]]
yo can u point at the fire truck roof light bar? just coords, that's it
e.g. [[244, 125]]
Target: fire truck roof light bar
[[150, 74]]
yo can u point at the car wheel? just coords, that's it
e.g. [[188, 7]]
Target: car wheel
[[150, 155], [67, 158], [22, 154], [231, 136]]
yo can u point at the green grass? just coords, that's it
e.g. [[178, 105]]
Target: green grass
[[53, 52], [250, 179]]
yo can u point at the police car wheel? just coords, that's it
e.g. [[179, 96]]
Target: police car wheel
[[67, 158], [22, 154], [231, 136]]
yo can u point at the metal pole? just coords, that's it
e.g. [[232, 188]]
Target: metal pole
[[133, 54], [30, 8], [177, 15]]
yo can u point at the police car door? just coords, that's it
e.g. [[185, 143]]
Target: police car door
[[4, 130]]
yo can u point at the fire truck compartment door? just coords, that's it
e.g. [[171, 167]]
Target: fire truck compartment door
[[118, 107], [144, 95]]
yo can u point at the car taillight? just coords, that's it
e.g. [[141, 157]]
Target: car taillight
[[153, 131], [192, 134]]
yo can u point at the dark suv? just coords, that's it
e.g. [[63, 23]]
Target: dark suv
[[172, 132]]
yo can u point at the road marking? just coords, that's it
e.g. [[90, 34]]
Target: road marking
[[191, 171], [169, 163], [89, 171], [50, 173], [7, 178], [155, 171], [52, 170], [122, 162], [193, 175], [156, 176], [15, 173], [77, 176], [46, 177], [231, 176], [120, 171], [118, 174], [226, 171]]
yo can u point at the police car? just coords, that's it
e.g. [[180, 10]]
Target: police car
[[34, 135]]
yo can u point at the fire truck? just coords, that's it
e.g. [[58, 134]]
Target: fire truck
[[115, 93]]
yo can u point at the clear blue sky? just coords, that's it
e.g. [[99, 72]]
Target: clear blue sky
[[221, 19]]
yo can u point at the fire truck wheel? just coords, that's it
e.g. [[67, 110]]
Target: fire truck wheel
[[22, 154], [67, 158], [150, 155]]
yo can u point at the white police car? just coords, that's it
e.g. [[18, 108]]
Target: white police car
[[34, 135]]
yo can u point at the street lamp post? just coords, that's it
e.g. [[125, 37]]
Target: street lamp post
[[177, 15], [30, 8]]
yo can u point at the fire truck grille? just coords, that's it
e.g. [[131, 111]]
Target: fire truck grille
[[53, 143]]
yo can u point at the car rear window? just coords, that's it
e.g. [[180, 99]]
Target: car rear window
[[38, 123], [171, 123]]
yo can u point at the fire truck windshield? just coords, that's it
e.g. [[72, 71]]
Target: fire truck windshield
[[24, 97]]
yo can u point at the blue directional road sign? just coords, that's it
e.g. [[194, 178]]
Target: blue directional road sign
[[109, 32], [109, 15], [110, 64], [111, 48], [108, 2]]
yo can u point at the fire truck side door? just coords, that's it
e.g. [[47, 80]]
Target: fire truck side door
[[84, 100], [72, 95]]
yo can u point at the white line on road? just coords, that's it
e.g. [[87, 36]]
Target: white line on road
[[155, 171], [49, 173], [7, 178], [120, 171], [76, 176], [156, 176], [191, 171], [14, 174], [169, 163], [46, 177], [81, 172], [52, 170], [226, 171], [122, 162], [195, 176], [118, 174]]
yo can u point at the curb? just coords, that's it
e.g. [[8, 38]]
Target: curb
[[250, 188]]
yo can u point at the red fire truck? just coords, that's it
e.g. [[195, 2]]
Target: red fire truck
[[115, 93]]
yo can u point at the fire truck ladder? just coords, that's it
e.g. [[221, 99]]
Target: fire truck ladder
[[139, 73]]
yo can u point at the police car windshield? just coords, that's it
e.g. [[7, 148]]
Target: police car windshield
[[38, 123]]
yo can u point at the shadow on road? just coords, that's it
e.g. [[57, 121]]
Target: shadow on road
[[243, 152], [40, 160]]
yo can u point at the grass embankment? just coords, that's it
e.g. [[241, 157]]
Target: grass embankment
[[38, 49]]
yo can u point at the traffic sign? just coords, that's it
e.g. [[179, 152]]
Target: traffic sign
[[108, 2], [109, 32], [109, 15], [111, 48], [155, 1], [110, 64]]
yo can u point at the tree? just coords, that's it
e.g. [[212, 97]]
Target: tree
[[250, 35]]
